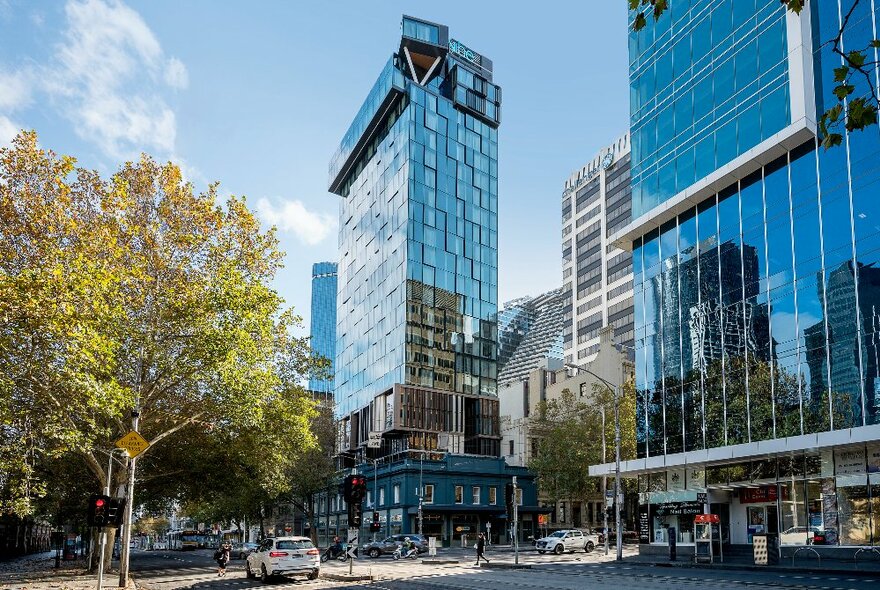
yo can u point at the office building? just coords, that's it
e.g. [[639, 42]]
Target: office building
[[754, 255], [416, 337], [538, 336], [323, 323], [597, 274]]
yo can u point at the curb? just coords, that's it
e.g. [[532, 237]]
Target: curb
[[347, 578], [506, 566], [441, 561], [756, 568]]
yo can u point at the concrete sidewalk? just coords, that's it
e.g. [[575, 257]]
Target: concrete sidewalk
[[37, 572], [867, 566]]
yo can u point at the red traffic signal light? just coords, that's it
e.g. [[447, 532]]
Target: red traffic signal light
[[97, 514], [355, 488]]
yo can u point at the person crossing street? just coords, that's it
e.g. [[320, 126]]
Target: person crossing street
[[481, 546]]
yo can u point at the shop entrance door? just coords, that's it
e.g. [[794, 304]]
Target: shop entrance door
[[757, 521]]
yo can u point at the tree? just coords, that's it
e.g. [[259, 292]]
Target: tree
[[139, 293], [853, 112], [571, 435]]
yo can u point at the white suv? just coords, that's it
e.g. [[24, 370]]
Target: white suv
[[567, 540], [283, 556]]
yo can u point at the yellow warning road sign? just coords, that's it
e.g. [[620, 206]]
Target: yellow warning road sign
[[134, 443]]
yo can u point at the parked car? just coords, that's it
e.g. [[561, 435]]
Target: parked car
[[283, 556], [567, 540], [387, 545], [241, 550]]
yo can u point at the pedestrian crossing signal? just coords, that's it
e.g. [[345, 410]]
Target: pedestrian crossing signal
[[375, 526]]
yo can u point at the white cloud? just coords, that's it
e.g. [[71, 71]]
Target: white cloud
[[176, 75], [292, 215], [15, 90], [108, 72], [8, 130]]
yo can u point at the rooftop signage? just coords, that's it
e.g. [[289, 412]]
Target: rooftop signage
[[462, 50]]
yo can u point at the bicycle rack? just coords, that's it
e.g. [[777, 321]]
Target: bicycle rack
[[869, 550], [799, 549]]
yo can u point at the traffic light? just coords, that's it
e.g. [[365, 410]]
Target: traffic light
[[355, 488], [508, 499], [105, 511], [375, 526], [354, 514], [97, 514], [115, 511]]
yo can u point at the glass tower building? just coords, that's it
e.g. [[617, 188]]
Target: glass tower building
[[755, 276], [323, 321], [417, 170]]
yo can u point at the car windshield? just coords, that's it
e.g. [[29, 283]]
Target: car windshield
[[558, 534], [293, 545]]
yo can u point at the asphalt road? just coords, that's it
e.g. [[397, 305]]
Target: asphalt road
[[196, 570]]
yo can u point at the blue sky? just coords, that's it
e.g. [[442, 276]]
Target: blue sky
[[256, 95]]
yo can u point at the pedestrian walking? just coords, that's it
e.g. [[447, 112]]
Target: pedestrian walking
[[222, 557], [481, 546]]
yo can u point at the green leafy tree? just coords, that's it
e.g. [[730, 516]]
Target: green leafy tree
[[570, 432], [853, 112], [139, 293]]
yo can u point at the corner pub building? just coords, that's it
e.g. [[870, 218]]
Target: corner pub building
[[757, 289]]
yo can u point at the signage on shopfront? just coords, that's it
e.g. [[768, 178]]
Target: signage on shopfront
[[758, 495], [644, 524], [849, 461], [678, 508]]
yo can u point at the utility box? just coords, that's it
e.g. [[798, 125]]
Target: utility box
[[672, 539]]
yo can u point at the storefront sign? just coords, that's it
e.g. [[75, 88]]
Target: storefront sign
[[849, 461], [644, 524], [677, 508], [758, 495], [873, 458]]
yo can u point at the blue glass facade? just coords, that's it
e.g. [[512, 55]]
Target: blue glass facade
[[708, 81], [323, 321], [757, 307], [418, 270]]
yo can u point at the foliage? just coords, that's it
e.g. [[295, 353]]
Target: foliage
[[138, 292], [571, 435], [853, 112]]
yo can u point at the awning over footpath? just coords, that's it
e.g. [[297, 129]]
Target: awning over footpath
[[456, 508]]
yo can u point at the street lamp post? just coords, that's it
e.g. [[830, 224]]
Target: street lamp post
[[616, 390]]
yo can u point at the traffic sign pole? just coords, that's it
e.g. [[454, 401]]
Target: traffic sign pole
[[136, 447]]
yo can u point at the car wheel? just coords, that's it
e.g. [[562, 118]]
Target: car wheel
[[541, 551], [247, 571], [588, 548], [559, 549], [264, 575], [374, 553], [313, 575]]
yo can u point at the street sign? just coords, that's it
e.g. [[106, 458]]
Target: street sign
[[352, 543], [702, 497], [609, 498], [134, 443], [375, 440]]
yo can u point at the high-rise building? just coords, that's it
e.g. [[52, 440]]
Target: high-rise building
[[597, 274], [417, 171], [540, 341], [323, 322], [416, 347], [754, 254], [514, 320]]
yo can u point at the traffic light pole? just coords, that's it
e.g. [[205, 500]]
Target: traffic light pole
[[126, 527], [104, 530], [617, 491]]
